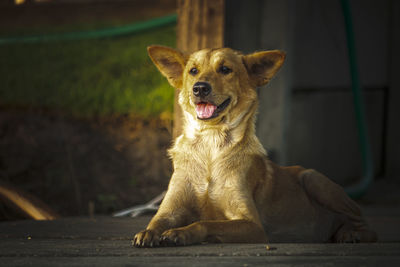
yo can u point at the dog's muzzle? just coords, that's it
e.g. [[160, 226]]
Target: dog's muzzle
[[205, 107], [201, 89]]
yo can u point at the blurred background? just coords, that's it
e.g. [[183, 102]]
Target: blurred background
[[85, 117]]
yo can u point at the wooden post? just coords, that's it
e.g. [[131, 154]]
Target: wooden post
[[200, 25]]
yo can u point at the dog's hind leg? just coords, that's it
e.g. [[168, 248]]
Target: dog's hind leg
[[331, 196]]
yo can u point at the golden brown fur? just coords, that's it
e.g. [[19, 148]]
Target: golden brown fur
[[224, 188]]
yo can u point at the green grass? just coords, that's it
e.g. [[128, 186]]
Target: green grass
[[86, 78]]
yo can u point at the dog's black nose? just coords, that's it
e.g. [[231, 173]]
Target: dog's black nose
[[201, 89]]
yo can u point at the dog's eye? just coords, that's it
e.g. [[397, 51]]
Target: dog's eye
[[193, 71], [224, 70]]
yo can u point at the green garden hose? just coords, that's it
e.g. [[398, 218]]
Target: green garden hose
[[94, 34], [358, 189]]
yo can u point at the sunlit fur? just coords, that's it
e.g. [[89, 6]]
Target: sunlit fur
[[228, 128], [224, 188]]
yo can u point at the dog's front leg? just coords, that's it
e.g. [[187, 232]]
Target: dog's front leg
[[241, 224], [219, 231], [174, 211]]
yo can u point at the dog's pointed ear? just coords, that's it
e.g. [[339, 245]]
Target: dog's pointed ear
[[169, 62], [262, 66]]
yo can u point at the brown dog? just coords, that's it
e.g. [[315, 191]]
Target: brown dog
[[224, 188]]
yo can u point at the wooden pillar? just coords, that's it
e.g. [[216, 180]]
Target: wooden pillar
[[200, 25]]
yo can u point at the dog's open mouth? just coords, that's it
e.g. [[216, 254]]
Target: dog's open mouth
[[206, 110]]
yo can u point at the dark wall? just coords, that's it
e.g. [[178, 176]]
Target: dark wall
[[307, 114]]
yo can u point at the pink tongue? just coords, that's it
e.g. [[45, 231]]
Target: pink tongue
[[205, 110]]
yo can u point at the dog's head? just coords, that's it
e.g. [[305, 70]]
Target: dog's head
[[217, 85]]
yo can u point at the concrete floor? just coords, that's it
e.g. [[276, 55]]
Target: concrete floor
[[106, 241]]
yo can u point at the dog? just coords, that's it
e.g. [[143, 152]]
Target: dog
[[223, 187]]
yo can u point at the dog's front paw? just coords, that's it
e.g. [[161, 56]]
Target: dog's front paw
[[146, 238], [177, 237]]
